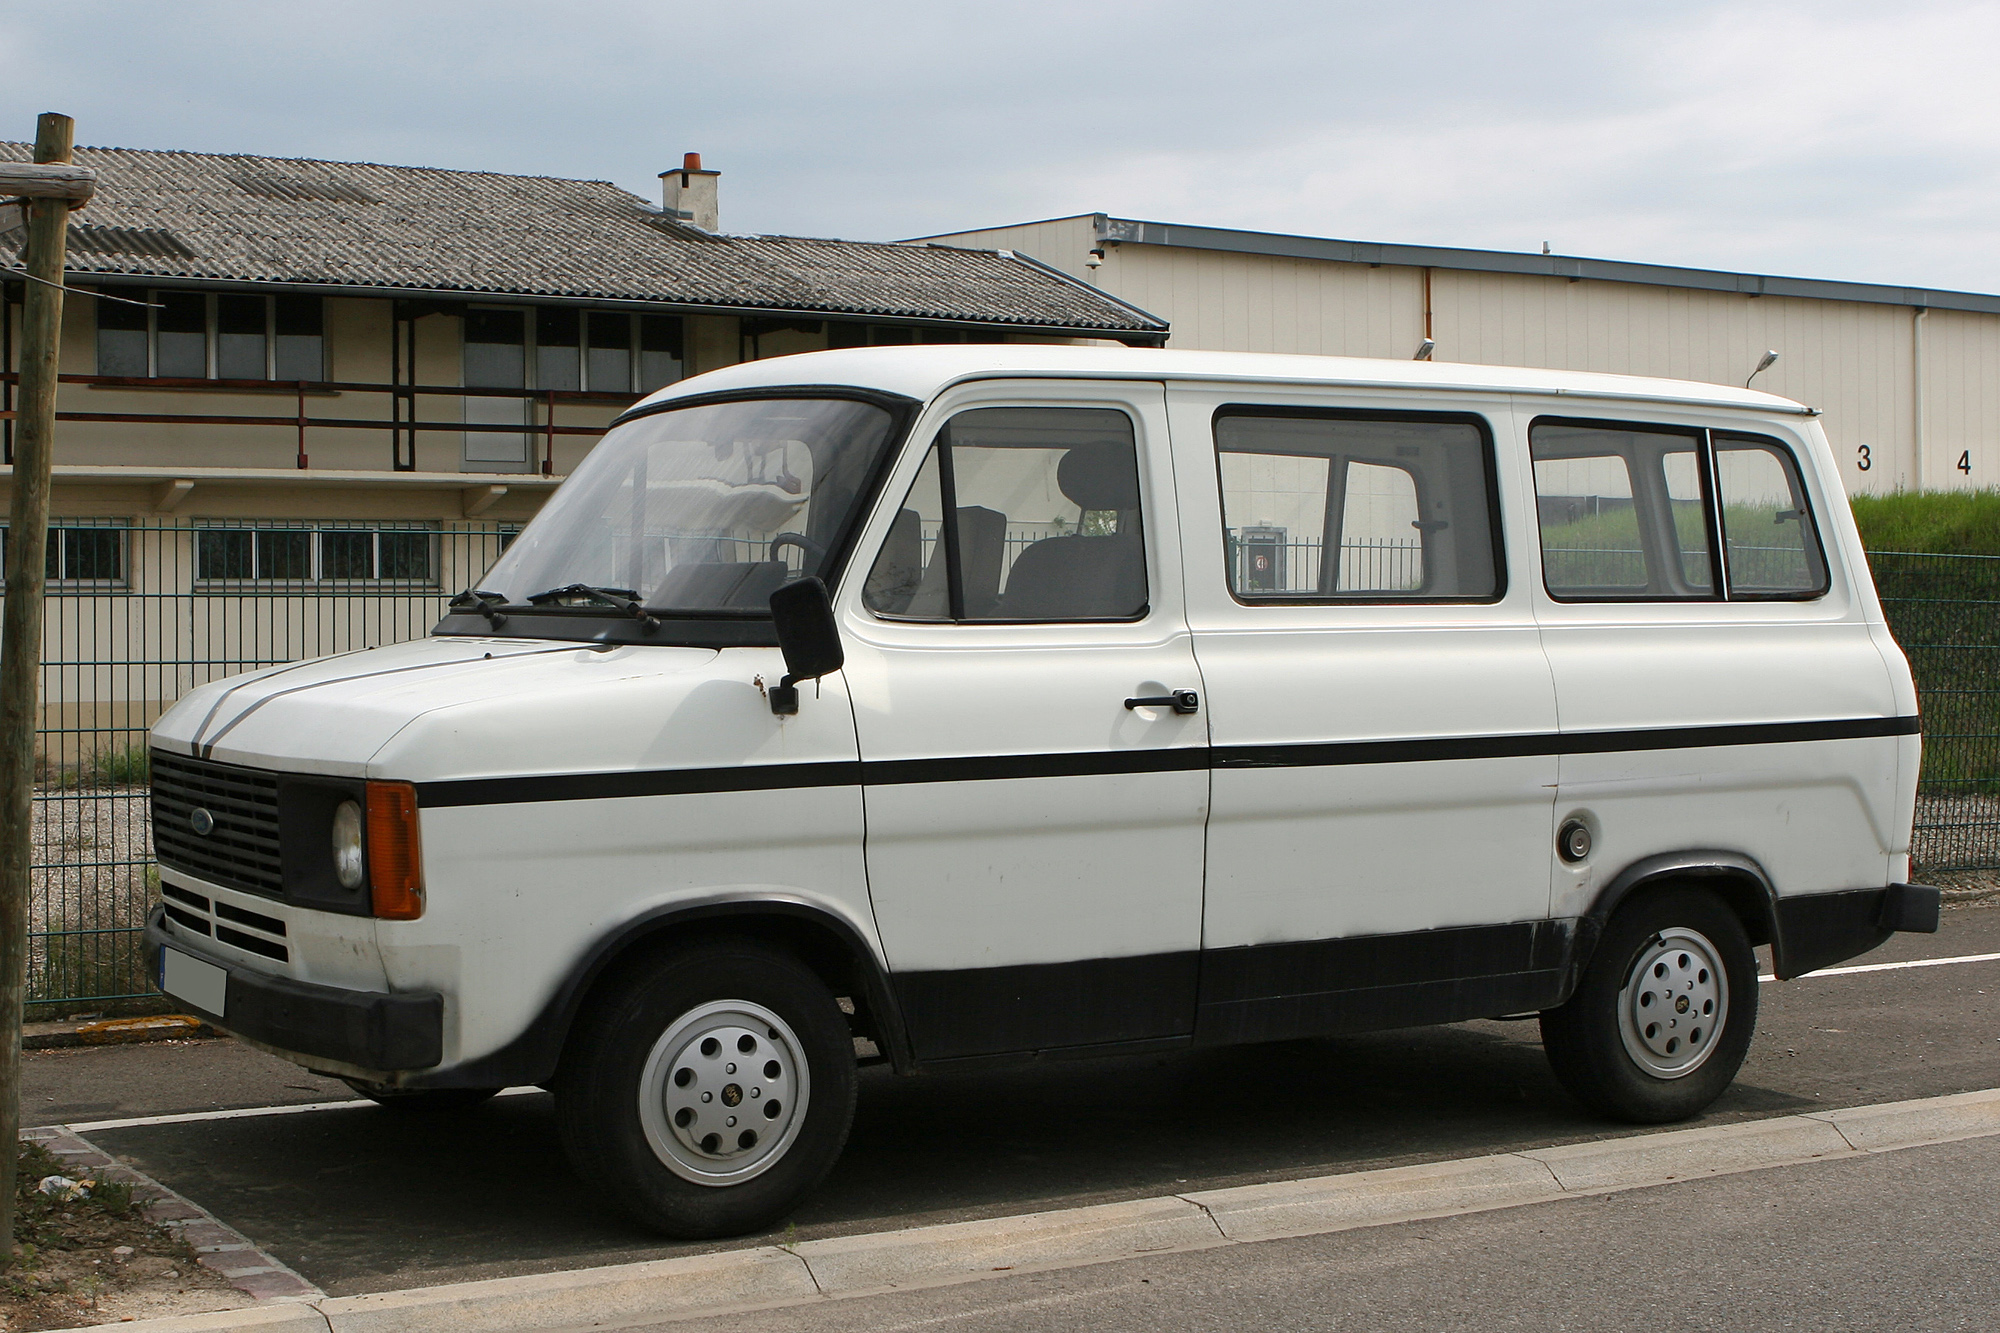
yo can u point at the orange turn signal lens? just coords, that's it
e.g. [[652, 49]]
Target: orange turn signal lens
[[395, 858]]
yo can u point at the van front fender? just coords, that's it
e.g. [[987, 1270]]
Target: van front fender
[[532, 1057]]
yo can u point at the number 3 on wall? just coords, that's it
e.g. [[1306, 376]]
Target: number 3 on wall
[[1863, 462], [1965, 462]]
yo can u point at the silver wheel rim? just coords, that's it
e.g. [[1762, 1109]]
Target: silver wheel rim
[[1675, 1004], [724, 1093]]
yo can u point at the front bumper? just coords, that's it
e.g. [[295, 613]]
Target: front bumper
[[368, 1029]]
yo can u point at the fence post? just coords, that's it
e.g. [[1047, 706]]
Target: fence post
[[21, 639]]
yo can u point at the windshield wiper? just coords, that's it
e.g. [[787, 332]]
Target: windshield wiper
[[623, 599], [487, 604]]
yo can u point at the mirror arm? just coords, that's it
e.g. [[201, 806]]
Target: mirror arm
[[785, 697]]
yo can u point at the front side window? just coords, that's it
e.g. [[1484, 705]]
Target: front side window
[[1019, 514], [1632, 512], [702, 509], [1320, 507], [290, 554]]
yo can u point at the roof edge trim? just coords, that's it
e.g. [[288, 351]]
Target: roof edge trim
[[1130, 231]]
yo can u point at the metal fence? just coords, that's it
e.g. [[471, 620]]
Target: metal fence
[[139, 613], [1945, 612]]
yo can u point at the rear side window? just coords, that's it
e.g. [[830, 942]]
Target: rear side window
[[1340, 506], [1019, 514], [1636, 512]]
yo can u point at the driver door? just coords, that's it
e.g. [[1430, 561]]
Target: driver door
[[1034, 833]]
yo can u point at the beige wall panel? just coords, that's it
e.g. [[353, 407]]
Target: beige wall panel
[[1848, 359], [712, 341], [1257, 303], [1961, 399], [1061, 243], [357, 343]]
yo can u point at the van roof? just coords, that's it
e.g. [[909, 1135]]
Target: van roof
[[921, 372]]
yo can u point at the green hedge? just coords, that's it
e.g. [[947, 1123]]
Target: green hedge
[[1934, 522]]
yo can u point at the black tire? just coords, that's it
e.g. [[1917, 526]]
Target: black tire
[[421, 1101], [1650, 1054], [640, 1057]]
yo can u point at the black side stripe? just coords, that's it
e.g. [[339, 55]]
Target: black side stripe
[[1559, 743], [985, 768]]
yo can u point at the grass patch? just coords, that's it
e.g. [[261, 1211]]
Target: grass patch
[[125, 766], [1936, 522]]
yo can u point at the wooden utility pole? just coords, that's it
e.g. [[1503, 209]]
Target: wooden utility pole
[[51, 189]]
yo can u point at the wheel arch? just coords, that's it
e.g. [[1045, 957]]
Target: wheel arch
[[834, 948], [1738, 880]]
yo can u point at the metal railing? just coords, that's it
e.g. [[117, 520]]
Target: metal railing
[[139, 613]]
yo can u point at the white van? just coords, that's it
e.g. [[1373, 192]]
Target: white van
[[953, 705]]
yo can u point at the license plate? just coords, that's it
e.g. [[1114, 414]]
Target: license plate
[[203, 985]]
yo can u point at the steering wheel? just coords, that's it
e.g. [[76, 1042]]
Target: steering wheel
[[807, 545]]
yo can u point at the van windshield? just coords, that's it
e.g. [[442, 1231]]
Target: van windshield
[[701, 510]]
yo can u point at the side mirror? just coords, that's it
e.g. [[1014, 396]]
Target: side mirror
[[807, 635]]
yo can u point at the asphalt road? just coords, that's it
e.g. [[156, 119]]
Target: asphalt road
[[363, 1199], [1904, 1241]]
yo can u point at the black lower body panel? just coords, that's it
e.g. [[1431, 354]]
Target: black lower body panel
[[1047, 1006], [1275, 992], [1820, 929], [368, 1029]]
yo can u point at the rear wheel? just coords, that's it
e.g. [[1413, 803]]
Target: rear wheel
[[1664, 1013], [710, 1090]]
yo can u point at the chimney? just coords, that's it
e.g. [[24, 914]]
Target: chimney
[[688, 193]]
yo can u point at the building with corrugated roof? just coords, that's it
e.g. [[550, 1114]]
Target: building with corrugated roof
[[1904, 376], [289, 340]]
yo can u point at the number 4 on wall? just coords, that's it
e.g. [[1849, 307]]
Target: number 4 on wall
[[1965, 462]]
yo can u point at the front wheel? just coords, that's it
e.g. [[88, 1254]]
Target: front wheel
[[1664, 1013], [710, 1090]]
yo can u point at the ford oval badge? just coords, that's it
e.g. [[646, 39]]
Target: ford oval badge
[[201, 822]]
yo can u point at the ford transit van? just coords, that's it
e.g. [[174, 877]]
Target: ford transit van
[[954, 705]]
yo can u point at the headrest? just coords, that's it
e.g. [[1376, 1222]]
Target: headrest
[[1100, 476]]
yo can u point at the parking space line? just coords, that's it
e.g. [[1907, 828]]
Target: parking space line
[[239, 1113], [1892, 967]]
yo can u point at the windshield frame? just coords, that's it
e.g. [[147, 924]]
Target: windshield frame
[[717, 628]]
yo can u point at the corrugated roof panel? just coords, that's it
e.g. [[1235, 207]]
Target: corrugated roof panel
[[359, 224]]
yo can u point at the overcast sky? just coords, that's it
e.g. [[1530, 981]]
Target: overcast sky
[[1824, 139]]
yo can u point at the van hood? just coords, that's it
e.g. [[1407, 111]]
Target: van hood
[[335, 715]]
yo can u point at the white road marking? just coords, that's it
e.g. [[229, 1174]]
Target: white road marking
[[240, 1113], [1891, 967]]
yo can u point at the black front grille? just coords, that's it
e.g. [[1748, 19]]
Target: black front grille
[[241, 849]]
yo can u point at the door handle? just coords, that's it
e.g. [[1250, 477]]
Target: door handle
[[1181, 701]]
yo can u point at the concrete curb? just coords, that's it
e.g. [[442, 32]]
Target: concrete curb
[[849, 1266], [114, 1031]]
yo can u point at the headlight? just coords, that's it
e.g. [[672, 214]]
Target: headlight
[[348, 865]]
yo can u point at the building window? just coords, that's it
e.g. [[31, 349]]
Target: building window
[[583, 350], [81, 556], [405, 556], [559, 348], [211, 335]]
